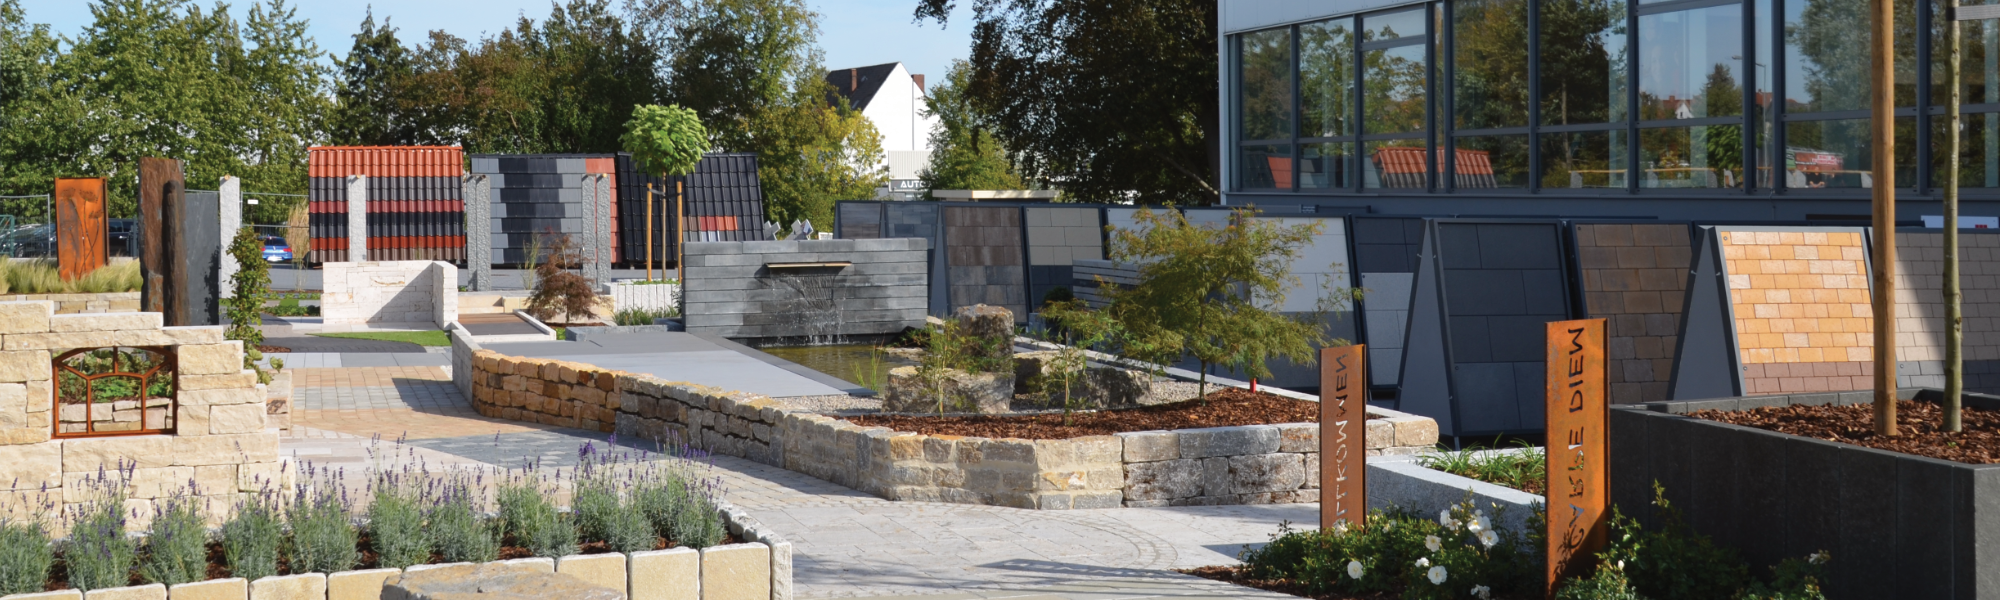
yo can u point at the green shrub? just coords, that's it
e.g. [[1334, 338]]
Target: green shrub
[[1525, 469], [244, 306], [25, 556], [396, 524], [323, 537], [457, 531], [1674, 563], [1397, 551], [176, 542], [253, 536], [99, 554], [527, 514], [642, 316]]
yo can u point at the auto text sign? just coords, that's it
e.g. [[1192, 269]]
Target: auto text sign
[[1343, 425], [1576, 448]]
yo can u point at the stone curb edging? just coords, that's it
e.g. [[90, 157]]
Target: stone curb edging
[[1400, 482]]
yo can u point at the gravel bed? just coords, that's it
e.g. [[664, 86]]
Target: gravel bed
[[833, 404]]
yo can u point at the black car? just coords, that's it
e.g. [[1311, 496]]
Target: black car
[[122, 239]]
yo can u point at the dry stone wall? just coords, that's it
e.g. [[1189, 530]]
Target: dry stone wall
[[70, 304], [220, 441]]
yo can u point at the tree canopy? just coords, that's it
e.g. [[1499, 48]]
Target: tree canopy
[[965, 155]]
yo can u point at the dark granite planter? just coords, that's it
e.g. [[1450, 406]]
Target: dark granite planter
[[1898, 526]]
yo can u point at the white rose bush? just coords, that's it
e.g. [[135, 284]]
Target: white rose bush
[[1412, 556]]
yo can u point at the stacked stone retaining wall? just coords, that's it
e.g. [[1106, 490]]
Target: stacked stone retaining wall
[[70, 304], [1256, 464]]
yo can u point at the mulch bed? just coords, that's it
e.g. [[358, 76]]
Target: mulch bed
[[1919, 422], [1225, 407], [264, 348], [1282, 586]]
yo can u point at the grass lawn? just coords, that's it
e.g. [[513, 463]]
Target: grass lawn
[[422, 338]]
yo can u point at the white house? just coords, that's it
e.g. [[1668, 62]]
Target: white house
[[894, 100]]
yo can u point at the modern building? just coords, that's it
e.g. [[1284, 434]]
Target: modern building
[[1671, 109], [893, 99]]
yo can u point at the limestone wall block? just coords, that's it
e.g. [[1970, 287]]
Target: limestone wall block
[[736, 572], [215, 479], [62, 341], [234, 588], [1415, 431], [602, 570], [25, 317], [56, 595], [159, 482], [194, 334], [31, 466], [25, 365], [1381, 434], [211, 359], [191, 420], [222, 397], [359, 585], [236, 418], [242, 379], [104, 322], [528, 565], [41, 396], [36, 432], [238, 448], [146, 451], [138, 592], [310, 586]]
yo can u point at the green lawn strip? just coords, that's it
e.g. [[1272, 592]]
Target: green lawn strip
[[422, 338]]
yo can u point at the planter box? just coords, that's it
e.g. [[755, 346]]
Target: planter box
[[1897, 525]]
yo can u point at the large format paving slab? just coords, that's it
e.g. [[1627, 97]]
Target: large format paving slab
[[675, 356]]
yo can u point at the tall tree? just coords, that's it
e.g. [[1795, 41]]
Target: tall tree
[[369, 104], [1124, 96], [731, 61], [286, 85], [965, 155], [38, 120], [812, 154]]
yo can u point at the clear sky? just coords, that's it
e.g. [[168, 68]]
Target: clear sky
[[853, 33]]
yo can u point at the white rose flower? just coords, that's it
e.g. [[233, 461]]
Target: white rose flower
[[1423, 562], [1817, 558], [1354, 569], [1483, 592], [1340, 527], [1488, 538], [1484, 523], [1444, 518], [1437, 575], [1433, 543], [1388, 525]]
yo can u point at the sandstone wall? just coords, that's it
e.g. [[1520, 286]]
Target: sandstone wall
[[220, 442], [69, 304], [403, 291]]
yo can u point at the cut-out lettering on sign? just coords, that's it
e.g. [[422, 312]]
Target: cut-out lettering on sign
[[1343, 426], [1576, 448]]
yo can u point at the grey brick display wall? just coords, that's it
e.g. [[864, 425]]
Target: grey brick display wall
[[730, 291]]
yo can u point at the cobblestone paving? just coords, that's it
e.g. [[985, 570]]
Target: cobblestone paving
[[847, 544]]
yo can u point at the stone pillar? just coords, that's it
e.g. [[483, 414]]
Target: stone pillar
[[599, 251], [231, 211], [357, 218], [479, 230]]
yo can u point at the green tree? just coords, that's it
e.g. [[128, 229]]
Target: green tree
[[1092, 122], [812, 154], [732, 61], [1203, 292], [665, 140], [369, 104], [965, 155]]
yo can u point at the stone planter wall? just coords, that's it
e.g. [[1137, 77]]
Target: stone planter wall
[[220, 443], [403, 291], [70, 304], [1227, 465], [1897, 525]]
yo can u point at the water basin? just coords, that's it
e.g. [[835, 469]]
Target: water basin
[[860, 364]]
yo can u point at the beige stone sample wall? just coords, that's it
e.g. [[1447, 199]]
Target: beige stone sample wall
[[69, 304], [403, 291], [220, 442]]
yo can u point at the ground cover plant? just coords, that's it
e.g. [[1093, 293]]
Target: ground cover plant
[[40, 276], [1222, 408], [1524, 469], [624, 500], [289, 307], [421, 338]]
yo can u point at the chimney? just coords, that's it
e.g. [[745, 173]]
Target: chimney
[[920, 81], [853, 80]]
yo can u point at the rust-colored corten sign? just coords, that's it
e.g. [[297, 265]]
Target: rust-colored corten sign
[[80, 226], [1343, 425], [1576, 448]]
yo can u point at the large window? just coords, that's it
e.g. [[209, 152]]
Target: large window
[[1593, 96]]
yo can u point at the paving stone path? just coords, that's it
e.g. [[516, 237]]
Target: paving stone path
[[847, 544]]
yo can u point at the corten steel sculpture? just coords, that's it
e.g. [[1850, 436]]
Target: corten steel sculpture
[[80, 226], [1343, 426], [1577, 494], [162, 198]]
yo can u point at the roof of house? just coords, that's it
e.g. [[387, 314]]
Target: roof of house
[[859, 85]]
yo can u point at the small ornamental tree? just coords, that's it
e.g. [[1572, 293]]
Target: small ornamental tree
[[1082, 329], [245, 305], [1203, 292], [560, 289], [665, 140]]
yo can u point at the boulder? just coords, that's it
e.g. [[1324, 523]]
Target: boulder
[[1028, 368], [492, 581], [983, 393], [993, 326]]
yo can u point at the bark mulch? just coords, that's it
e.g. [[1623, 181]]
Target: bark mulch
[[1920, 423], [1282, 586], [1225, 407]]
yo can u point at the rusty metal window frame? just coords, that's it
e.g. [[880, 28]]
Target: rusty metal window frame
[[169, 365]]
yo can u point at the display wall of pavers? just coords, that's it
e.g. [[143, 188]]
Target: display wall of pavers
[[70, 304], [1635, 277], [219, 442], [392, 292], [1256, 464]]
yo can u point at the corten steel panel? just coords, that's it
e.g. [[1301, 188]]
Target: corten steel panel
[[1577, 450], [1801, 308], [80, 226], [1343, 419], [161, 192], [1635, 275]]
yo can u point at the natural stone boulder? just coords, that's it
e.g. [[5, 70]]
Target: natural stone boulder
[[1028, 369], [1122, 387], [983, 393], [491, 581], [1098, 388], [991, 326]]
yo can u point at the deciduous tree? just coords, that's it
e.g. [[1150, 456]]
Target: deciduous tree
[[965, 155]]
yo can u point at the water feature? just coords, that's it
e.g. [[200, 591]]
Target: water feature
[[864, 365]]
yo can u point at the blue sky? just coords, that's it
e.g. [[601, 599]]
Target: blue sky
[[853, 33]]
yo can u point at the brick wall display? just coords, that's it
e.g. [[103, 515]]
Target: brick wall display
[[1635, 276], [733, 290], [984, 253], [408, 291], [1800, 304], [219, 441], [1226, 465], [1920, 308], [1057, 237], [414, 202]]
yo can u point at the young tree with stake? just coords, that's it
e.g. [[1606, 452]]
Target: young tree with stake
[[664, 141]]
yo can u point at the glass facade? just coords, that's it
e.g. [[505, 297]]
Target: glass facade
[[1603, 96]]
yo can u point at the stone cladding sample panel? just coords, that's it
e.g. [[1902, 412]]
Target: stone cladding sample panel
[[1635, 276], [1801, 308]]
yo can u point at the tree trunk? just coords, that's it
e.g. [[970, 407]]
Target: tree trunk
[[1954, 330], [1882, 140]]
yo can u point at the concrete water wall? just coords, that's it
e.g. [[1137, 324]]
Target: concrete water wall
[[805, 288]]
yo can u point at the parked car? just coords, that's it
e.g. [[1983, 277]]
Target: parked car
[[121, 237], [276, 249], [30, 241]]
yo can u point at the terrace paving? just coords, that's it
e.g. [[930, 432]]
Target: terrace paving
[[847, 544]]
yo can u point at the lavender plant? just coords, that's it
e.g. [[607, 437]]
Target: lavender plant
[[457, 530], [176, 541], [603, 513], [99, 554], [527, 514], [25, 552], [396, 525], [253, 536], [323, 536]]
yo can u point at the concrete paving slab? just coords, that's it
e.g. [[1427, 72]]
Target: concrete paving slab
[[676, 356]]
